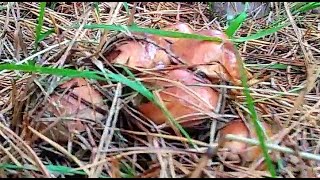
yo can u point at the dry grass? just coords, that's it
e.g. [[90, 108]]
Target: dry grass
[[125, 145]]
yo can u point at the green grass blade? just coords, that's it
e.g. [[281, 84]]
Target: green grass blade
[[254, 116], [40, 22], [53, 5], [126, 7], [260, 34], [52, 168], [158, 32], [235, 24], [270, 66], [45, 34], [277, 25], [210, 7], [133, 84], [296, 6], [174, 122], [294, 10], [75, 73], [307, 7], [163, 109], [127, 171], [64, 170], [98, 76], [175, 34], [2, 8], [52, 71], [96, 7]]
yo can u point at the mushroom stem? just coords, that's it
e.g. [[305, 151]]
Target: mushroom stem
[[304, 155]]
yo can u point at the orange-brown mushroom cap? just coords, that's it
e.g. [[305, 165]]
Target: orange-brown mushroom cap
[[82, 101], [215, 59], [254, 152], [238, 128], [179, 101], [69, 105], [138, 54], [142, 54]]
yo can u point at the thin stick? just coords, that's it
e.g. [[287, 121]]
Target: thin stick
[[274, 147], [107, 133]]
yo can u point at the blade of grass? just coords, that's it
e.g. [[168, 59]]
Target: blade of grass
[[296, 6], [51, 71], [163, 108], [260, 34], [210, 7], [125, 5], [299, 7], [76, 73], [306, 7], [40, 22], [2, 8], [53, 5], [52, 168], [254, 116], [42, 36], [175, 34], [276, 26], [127, 171], [270, 66], [96, 7], [235, 24], [158, 32], [98, 76]]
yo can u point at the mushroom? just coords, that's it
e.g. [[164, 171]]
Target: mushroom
[[139, 54], [217, 60], [143, 54], [81, 101], [179, 101], [248, 153], [197, 52], [238, 128]]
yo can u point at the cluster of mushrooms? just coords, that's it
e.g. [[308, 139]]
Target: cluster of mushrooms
[[178, 92]]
